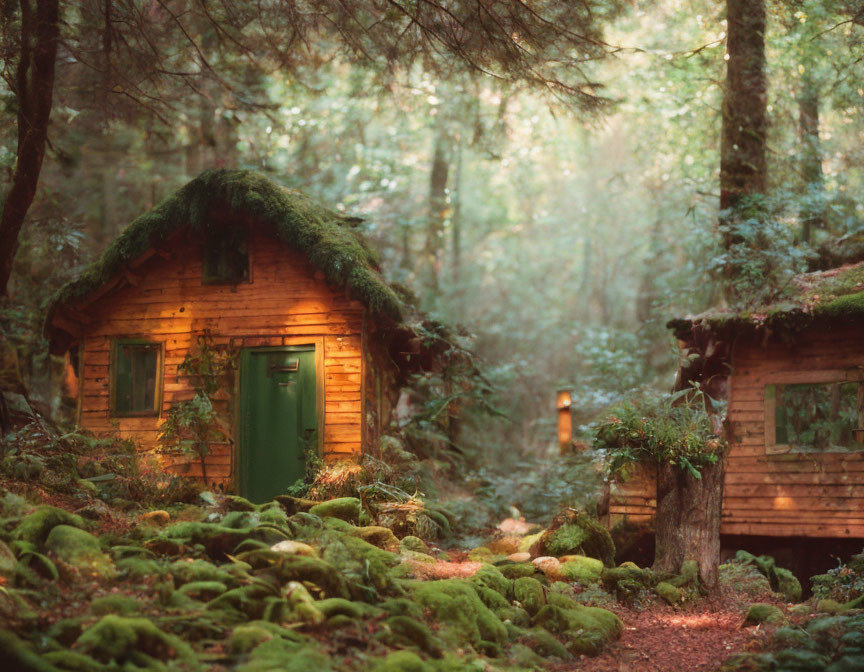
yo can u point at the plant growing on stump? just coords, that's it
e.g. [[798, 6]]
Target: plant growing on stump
[[678, 434], [194, 425]]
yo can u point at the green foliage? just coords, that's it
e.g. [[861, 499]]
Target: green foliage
[[763, 254], [842, 583], [536, 486], [675, 429], [192, 426]]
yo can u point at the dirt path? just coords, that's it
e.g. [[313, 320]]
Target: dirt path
[[663, 639]]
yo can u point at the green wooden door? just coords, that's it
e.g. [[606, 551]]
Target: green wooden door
[[278, 418]]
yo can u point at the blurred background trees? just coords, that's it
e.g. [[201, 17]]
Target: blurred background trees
[[556, 189]]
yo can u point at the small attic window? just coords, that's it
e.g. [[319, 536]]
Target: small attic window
[[226, 256], [136, 378], [814, 417]]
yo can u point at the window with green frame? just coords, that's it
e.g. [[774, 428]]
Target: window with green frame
[[136, 378], [815, 417], [226, 256]]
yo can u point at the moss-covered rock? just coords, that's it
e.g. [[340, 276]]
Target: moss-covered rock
[[327, 578], [402, 661], [140, 568], [115, 604], [405, 631], [688, 577], [541, 640], [344, 508], [285, 655], [203, 590], [456, 605], [787, 584], [576, 533], [415, 544], [516, 570], [669, 593], [529, 593], [218, 540], [581, 569], [376, 535], [192, 570], [481, 554], [763, 613], [119, 639], [36, 527], [491, 577], [612, 575], [79, 549], [246, 637], [587, 630], [303, 606], [402, 606], [339, 606], [781, 580]]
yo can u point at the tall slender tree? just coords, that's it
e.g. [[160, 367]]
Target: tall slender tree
[[688, 508], [33, 86]]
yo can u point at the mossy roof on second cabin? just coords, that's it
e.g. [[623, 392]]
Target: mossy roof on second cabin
[[835, 294], [324, 236]]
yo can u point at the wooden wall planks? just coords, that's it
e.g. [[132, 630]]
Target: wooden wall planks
[[813, 495], [285, 299]]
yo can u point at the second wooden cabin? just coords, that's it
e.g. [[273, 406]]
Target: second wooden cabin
[[285, 287], [793, 377]]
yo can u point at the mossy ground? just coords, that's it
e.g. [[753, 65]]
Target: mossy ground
[[225, 584]]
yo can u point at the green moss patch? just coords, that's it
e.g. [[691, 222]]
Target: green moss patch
[[80, 550], [246, 198], [35, 527], [465, 618]]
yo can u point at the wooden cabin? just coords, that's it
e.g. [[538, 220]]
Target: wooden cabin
[[287, 288], [793, 377]]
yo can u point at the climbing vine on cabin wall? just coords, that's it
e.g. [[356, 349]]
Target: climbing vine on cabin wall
[[193, 426]]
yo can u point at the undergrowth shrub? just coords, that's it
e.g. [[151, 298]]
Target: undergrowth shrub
[[676, 429], [37, 461], [536, 488], [843, 583]]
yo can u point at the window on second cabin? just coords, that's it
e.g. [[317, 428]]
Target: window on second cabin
[[226, 256], [815, 417], [136, 378]]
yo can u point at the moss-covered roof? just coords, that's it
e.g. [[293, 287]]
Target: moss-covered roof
[[324, 236], [834, 294]]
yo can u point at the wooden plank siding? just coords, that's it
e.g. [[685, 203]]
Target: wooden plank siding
[[809, 495], [286, 302]]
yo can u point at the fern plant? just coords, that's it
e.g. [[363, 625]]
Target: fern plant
[[675, 429]]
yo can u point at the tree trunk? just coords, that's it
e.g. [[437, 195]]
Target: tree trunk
[[34, 91], [742, 152], [437, 206], [813, 209], [688, 520], [456, 224]]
